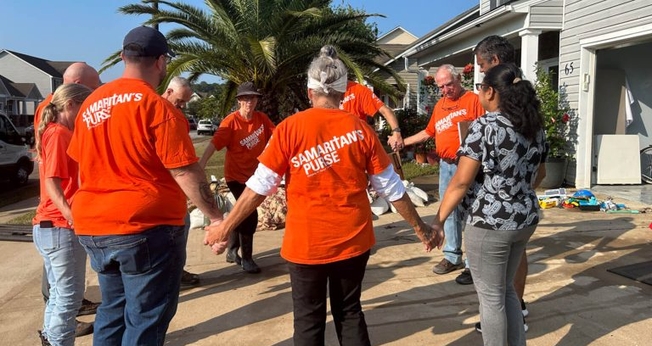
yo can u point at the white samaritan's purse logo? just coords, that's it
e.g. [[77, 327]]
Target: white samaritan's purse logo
[[100, 110], [324, 155]]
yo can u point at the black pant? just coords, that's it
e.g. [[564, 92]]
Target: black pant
[[248, 226], [344, 282]]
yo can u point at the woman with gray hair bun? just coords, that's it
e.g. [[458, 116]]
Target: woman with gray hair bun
[[329, 157]]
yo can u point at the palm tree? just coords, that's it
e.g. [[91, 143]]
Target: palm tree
[[268, 42]]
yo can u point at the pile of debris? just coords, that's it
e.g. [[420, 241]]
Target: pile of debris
[[582, 199]]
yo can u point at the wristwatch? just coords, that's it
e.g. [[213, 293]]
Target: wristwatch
[[398, 129]]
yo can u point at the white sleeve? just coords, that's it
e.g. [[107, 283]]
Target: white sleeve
[[388, 184], [264, 181]]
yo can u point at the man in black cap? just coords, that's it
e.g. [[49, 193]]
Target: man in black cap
[[136, 161]]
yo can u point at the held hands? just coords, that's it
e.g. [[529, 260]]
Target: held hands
[[395, 141], [430, 237], [438, 232], [216, 237]]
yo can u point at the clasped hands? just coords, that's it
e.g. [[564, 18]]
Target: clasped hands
[[216, 236], [395, 141], [432, 236]]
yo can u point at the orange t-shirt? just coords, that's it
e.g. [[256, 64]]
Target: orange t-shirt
[[326, 154], [443, 122], [360, 100], [55, 163], [126, 139], [244, 141]]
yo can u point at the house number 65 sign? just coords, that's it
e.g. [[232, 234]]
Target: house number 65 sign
[[568, 69]]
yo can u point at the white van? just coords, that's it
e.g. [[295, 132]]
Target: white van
[[15, 159]]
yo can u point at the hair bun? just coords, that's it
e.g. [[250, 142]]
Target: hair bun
[[328, 51]]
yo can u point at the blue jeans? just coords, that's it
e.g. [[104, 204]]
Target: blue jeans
[[454, 224], [494, 257], [65, 267], [140, 277]]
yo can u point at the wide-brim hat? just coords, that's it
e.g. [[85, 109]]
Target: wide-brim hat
[[247, 88]]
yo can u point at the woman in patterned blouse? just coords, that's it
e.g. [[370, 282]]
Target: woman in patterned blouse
[[500, 164]]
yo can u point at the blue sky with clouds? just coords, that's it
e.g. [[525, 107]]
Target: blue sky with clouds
[[91, 30]]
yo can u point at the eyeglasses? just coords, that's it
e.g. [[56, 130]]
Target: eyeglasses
[[479, 86], [168, 58]]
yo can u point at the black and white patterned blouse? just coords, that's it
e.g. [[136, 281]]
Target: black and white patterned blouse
[[502, 197]]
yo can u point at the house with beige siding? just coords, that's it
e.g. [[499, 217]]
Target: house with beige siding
[[394, 42]]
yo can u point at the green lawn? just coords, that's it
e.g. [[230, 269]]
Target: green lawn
[[412, 170], [215, 164]]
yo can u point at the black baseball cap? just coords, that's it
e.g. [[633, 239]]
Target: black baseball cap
[[247, 88], [145, 41]]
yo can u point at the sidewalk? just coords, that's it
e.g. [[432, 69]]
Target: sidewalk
[[14, 210], [572, 298]]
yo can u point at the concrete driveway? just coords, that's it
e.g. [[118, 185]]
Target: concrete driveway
[[572, 298]]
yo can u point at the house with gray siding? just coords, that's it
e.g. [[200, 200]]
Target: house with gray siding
[[30, 78], [604, 60], [18, 100], [598, 51]]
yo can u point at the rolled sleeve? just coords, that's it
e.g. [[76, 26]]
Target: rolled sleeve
[[388, 184], [264, 181]]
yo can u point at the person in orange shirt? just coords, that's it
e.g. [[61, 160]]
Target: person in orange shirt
[[136, 161], [328, 158], [179, 93], [76, 73], [361, 101], [500, 165], [64, 258], [84, 74], [244, 133], [455, 106]]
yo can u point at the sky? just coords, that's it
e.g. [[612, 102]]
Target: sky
[[92, 30]]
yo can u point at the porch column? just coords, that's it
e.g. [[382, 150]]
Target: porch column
[[529, 52], [477, 75]]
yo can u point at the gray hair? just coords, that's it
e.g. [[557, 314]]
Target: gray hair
[[178, 82], [328, 65], [450, 68]]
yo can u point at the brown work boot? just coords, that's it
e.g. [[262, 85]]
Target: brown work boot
[[445, 267], [88, 308], [83, 328]]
